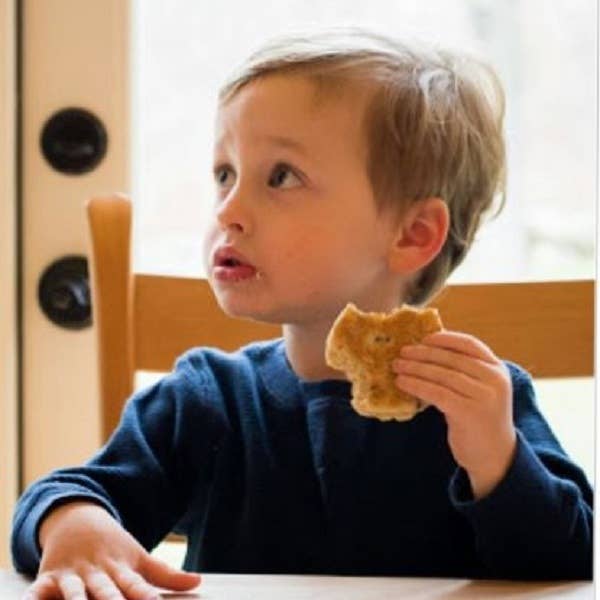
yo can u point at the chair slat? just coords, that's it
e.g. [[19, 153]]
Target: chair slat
[[547, 327], [173, 314], [112, 289]]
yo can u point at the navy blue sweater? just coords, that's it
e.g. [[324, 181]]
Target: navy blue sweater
[[267, 473]]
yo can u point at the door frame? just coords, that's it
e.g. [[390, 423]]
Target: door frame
[[9, 328], [75, 55]]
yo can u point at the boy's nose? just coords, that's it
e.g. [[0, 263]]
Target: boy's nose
[[232, 215]]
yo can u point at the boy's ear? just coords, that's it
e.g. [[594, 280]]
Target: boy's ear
[[420, 236]]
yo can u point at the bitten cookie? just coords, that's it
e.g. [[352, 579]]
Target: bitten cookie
[[364, 346]]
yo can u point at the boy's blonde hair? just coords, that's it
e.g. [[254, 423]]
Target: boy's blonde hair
[[433, 125]]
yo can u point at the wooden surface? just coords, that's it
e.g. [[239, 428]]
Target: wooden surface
[[173, 314], [290, 587], [546, 327], [112, 285]]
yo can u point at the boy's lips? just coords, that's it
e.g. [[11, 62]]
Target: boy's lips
[[231, 265]]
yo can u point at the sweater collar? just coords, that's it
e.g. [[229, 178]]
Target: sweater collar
[[282, 382]]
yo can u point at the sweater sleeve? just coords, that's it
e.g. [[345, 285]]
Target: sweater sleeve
[[144, 475], [538, 521]]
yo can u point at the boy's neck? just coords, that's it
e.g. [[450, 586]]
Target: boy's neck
[[305, 343], [305, 349]]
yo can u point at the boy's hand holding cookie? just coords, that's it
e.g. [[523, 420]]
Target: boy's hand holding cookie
[[462, 377], [402, 361]]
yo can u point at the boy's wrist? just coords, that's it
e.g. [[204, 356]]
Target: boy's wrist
[[484, 481], [59, 512]]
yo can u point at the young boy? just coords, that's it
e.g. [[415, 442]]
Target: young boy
[[348, 168]]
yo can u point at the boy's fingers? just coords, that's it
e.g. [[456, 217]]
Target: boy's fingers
[[445, 400], [460, 342], [104, 588], [133, 585], [43, 588], [455, 380], [474, 367], [71, 586], [162, 575]]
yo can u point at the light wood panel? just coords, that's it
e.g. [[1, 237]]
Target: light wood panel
[[173, 314], [112, 306], [547, 327]]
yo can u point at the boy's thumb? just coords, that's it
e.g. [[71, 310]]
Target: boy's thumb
[[162, 575]]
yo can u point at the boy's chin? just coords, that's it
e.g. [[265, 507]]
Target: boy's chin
[[237, 307], [248, 314]]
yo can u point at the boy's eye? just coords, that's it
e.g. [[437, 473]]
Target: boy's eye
[[220, 174], [280, 174]]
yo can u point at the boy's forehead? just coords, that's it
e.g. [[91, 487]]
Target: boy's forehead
[[292, 91], [286, 111], [268, 104]]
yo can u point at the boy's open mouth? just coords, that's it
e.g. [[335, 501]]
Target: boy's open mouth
[[229, 265], [231, 262]]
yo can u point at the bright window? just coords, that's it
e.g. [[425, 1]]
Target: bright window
[[543, 51]]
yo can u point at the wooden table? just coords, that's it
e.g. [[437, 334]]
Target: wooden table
[[293, 587]]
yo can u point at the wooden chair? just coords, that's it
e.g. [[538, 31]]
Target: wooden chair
[[145, 321]]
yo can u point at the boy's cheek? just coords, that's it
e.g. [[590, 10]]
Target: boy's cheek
[[208, 245]]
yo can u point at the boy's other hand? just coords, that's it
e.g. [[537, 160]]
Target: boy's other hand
[[86, 553], [463, 378]]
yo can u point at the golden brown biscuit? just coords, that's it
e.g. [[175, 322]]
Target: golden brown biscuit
[[364, 346]]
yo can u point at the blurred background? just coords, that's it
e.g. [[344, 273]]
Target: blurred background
[[545, 55]]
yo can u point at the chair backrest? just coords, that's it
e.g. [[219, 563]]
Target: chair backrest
[[145, 321]]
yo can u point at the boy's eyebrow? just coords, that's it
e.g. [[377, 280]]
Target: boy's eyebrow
[[286, 142], [278, 140]]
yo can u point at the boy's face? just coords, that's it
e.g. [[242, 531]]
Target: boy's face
[[294, 201]]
